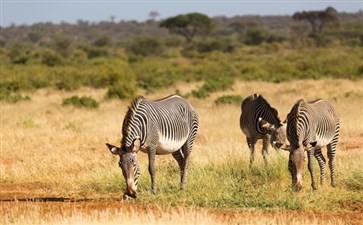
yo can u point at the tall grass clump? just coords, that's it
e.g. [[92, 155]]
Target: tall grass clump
[[84, 101], [228, 99], [9, 93]]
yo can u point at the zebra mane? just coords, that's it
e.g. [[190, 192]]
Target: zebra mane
[[167, 97], [293, 114], [130, 113], [295, 109], [274, 111], [315, 101]]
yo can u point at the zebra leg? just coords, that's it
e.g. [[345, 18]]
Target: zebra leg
[[186, 150], [321, 161], [331, 155], [311, 168], [265, 143], [179, 157], [151, 154], [292, 170], [251, 145]]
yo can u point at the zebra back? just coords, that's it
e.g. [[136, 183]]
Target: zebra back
[[311, 122], [172, 117], [253, 108]]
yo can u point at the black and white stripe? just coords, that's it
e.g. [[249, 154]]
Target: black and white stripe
[[254, 109], [311, 126], [165, 126]]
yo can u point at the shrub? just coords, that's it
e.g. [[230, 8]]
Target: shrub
[[63, 45], [86, 102], [121, 91], [51, 58], [102, 41], [219, 44], [218, 83], [255, 36], [213, 84], [8, 92], [228, 99], [146, 46], [200, 93], [94, 52], [13, 98], [18, 53]]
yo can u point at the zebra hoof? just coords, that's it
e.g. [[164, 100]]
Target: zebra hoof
[[128, 197]]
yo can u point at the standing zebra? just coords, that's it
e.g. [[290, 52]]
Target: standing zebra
[[311, 126], [260, 121], [165, 126]]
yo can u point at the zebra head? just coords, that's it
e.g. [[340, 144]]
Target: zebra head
[[278, 134], [296, 166], [129, 166]]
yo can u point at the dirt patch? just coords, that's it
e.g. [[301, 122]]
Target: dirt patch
[[13, 191], [68, 207]]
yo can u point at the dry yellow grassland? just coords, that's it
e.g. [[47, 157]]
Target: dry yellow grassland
[[51, 150]]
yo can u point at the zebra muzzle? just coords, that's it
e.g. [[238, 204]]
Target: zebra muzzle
[[299, 183], [131, 187]]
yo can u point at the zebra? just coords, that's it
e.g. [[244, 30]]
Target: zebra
[[164, 126], [259, 120], [311, 126]]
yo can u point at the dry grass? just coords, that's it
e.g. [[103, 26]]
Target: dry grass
[[50, 150], [128, 213]]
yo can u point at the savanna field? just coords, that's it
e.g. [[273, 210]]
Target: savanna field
[[56, 155], [62, 98]]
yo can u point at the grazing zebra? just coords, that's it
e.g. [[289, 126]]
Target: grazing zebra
[[311, 126], [260, 121], [165, 126]]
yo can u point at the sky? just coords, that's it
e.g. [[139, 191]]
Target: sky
[[20, 12]]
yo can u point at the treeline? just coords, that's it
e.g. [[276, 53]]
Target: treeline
[[124, 56]]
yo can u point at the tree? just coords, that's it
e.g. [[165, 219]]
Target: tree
[[318, 19], [153, 15], [189, 25]]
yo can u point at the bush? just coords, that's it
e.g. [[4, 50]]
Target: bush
[[19, 53], [94, 52], [219, 83], [102, 41], [213, 84], [51, 58], [146, 46], [121, 91], [228, 99], [13, 98], [86, 102], [256, 36], [200, 93]]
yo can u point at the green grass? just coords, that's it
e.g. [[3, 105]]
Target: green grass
[[233, 185]]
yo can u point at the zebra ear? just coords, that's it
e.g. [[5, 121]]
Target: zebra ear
[[136, 145], [286, 148], [113, 149], [266, 125], [311, 146]]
